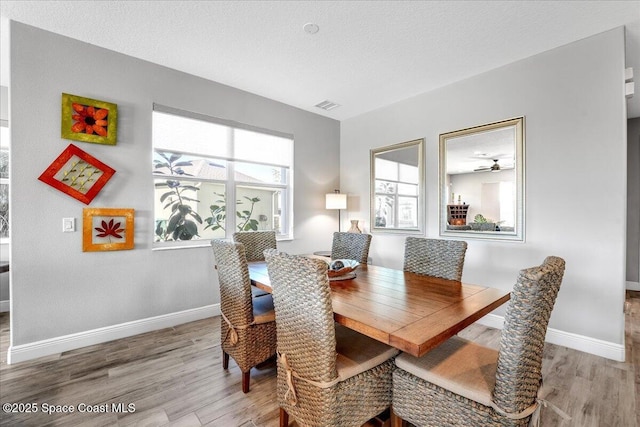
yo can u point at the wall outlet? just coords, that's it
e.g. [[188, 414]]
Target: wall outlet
[[68, 225]]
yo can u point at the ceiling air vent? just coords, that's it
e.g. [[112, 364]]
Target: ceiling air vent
[[327, 105]]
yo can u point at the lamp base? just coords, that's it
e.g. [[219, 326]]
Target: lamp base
[[354, 227]]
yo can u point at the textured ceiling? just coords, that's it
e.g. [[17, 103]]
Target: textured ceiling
[[367, 54]]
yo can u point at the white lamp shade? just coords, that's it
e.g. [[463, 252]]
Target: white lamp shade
[[336, 201]]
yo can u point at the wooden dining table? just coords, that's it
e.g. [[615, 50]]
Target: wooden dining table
[[411, 312]]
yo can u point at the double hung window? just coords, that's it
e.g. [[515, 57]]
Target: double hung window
[[213, 177], [396, 194]]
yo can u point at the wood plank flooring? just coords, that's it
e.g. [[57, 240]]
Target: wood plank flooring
[[174, 377]]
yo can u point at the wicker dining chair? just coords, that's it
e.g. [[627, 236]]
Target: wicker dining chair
[[255, 242], [328, 375], [462, 383], [435, 257], [247, 328], [351, 246]]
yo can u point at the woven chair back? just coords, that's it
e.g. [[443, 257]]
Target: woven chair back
[[255, 242], [351, 246], [435, 257], [235, 285], [518, 375], [304, 315]]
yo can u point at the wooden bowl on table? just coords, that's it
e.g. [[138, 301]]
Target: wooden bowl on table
[[339, 268]]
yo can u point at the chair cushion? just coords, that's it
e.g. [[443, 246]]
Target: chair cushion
[[358, 353], [460, 366], [263, 311]]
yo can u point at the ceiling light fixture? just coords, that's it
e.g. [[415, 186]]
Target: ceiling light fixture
[[310, 28]]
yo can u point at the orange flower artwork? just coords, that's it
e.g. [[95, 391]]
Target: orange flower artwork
[[89, 120]]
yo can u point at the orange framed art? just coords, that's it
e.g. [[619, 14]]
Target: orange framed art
[[107, 229], [78, 174]]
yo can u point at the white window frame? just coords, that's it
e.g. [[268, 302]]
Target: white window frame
[[230, 184], [396, 195]]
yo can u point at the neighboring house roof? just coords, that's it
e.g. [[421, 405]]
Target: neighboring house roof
[[210, 170]]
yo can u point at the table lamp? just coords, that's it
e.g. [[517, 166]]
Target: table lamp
[[337, 201]]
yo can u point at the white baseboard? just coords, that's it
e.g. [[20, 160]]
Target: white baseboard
[[595, 346], [4, 306], [633, 286], [492, 321], [23, 352], [567, 339]]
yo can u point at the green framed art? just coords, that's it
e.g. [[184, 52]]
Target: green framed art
[[89, 120]]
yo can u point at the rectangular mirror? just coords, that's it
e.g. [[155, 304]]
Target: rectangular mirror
[[397, 188], [482, 181]]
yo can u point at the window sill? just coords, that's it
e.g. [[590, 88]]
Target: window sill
[[182, 245], [187, 244]]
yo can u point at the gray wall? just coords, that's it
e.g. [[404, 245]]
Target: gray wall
[[576, 159], [4, 105], [633, 200], [4, 247], [56, 288]]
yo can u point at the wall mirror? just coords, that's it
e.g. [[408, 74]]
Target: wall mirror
[[482, 181], [397, 188]]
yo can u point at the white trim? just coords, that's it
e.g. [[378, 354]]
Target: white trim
[[633, 286], [590, 345], [4, 306], [23, 352], [594, 346], [492, 321]]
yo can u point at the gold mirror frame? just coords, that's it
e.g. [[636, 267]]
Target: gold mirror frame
[[391, 201], [474, 203]]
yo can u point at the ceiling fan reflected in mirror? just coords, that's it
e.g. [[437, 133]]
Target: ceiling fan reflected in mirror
[[495, 167]]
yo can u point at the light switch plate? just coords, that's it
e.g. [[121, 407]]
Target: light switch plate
[[68, 225]]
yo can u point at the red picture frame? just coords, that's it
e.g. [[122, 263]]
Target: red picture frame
[[78, 174]]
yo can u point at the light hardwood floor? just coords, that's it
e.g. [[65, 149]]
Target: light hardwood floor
[[174, 377]]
